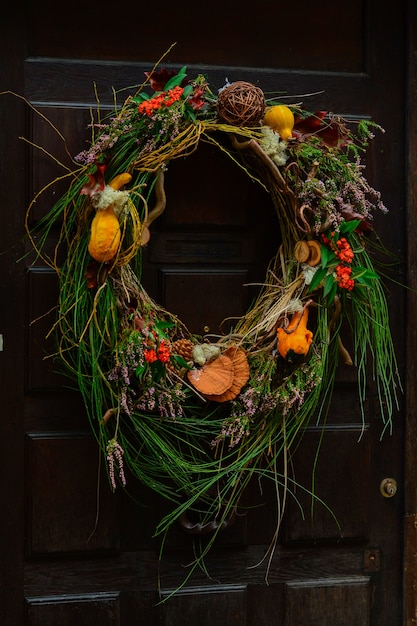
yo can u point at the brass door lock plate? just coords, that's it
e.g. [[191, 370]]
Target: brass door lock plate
[[388, 487]]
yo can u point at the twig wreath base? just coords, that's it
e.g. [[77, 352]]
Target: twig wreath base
[[195, 420]]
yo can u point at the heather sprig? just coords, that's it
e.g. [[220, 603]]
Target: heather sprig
[[115, 452], [331, 187]]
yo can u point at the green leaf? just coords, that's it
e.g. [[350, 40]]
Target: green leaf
[[327, 256], [140, 370], [332, 293], [319, 275], [349, 226], [161, 325], [188, 90], [358, 272], [180, 361], [357, 248], [189, 114], [329, 282], [140, 98], [176, 80], [364, 276]]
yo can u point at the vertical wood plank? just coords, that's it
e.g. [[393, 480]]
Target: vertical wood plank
[[410, 527], [12, 194]]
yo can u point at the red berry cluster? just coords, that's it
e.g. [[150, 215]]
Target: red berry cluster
[[342, 249], [155, 350], [166, 98], [161, 353]]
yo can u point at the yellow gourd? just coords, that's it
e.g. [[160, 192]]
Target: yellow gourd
[[295, 340], [281, 119], [105, 228], [120, 180]]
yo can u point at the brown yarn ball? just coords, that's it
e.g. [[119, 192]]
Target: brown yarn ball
[[241, 104]]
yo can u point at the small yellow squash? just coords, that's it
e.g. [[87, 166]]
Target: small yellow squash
[[281, 119], [105, 228]]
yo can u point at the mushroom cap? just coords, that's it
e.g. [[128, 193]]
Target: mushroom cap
[[314, 253], [215, 377], [241, 374], [301, 251]]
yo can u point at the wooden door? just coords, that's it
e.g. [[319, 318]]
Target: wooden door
[[63, 564]]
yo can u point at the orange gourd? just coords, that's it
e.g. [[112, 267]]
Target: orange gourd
[[105, 232], [281, 119], [294, 341]]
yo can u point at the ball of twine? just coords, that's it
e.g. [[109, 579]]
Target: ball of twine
[[241, 104]]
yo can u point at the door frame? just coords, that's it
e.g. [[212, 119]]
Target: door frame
[[13, 168], [410, 473], [12, 118]]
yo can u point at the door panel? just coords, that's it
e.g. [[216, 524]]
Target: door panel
[[211, 240], [90, 555], [61, 513], [337, 449]]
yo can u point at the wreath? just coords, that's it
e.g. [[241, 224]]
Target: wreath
[[192, 418]]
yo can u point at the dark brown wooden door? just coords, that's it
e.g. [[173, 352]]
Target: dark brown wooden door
[[69, 558]]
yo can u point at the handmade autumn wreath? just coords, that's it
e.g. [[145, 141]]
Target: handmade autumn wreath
[[194, 419]]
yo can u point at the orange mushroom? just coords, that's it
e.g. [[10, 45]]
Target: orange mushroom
[[301, 251], [308, 252], [314, 256], [222, 379], [213, 378], [241, 374]]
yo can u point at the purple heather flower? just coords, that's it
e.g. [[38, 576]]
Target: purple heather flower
[[115, 454]]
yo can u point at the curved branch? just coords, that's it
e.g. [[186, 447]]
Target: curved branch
[[266, 160], [158, 209], [347, 359]]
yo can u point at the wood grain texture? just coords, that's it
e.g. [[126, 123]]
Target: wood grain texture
[[353, 64], [410, 525]]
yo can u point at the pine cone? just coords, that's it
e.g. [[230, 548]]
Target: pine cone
[[184, 348]]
